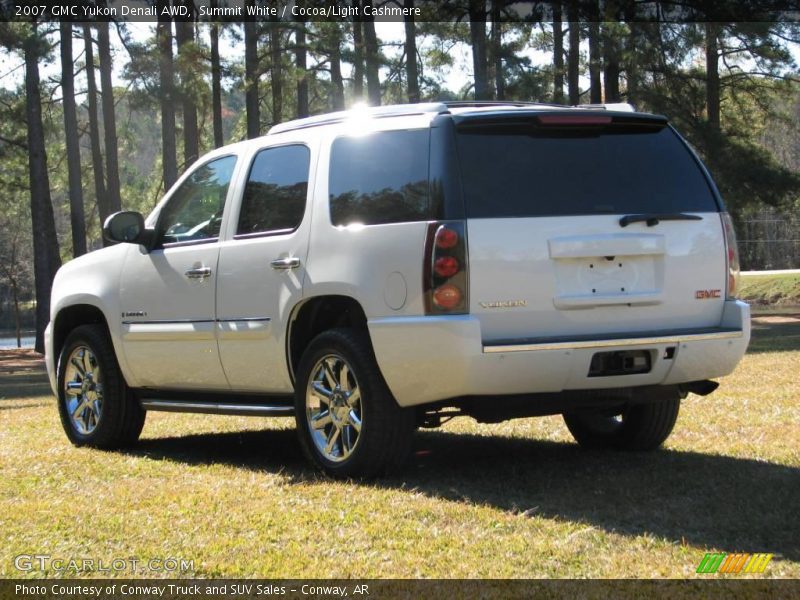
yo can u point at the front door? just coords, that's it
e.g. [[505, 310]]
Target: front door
[[261, 270], [168, 320]]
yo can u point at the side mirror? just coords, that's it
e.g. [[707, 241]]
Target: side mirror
[[126, 226]]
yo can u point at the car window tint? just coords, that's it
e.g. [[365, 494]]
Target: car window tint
[[194, 212], [275, 195], [579, 173], [380, 178]]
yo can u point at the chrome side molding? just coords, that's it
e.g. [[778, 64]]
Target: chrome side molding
[[218, 408]]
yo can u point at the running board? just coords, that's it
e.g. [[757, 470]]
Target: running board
[[218, 408]]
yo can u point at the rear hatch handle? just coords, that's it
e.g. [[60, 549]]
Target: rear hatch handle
[[654, 218]]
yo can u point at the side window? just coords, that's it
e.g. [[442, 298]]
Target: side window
[[380, 178], [274, 198], [194, 213]]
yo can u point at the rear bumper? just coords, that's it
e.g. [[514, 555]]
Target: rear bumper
[[427, 359]]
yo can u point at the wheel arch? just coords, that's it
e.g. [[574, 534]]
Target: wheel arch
[[72, 316], [314, 315]]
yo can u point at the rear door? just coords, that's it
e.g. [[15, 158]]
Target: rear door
[[571, 230], [262, 267]]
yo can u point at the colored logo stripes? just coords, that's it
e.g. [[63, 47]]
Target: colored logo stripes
[[722, 562]]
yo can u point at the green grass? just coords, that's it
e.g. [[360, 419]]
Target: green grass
[[770, 290], [518, 499]]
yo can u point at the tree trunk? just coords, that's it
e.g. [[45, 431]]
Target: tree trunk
[[712, 76], [373, 63], [216, 85], [574, 54], [497, 52], [300, 60], [335, 45], [17, 320], [558, 55], [595, 85], [276, 71], [412, 67], [166, 97], [46, 258], [477, 34], [76, 216], [109, 119], [631, 65], [610, 53], [184, 34], [94, 129], [251, 78], [358, 58]]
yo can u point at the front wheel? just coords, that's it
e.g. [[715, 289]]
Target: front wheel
[[348, 422], [94, 402], [636, 427]]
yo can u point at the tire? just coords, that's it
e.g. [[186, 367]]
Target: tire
[[368, 434], [89, 375], [637, 427]]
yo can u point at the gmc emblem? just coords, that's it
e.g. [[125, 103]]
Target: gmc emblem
[[706, 294]]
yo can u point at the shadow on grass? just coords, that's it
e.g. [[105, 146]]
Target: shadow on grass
[[774, 337], [710, 501], [23, 384]]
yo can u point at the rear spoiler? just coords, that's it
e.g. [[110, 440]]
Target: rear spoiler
[[565, 119]]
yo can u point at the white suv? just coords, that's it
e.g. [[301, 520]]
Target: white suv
[[373, 271]]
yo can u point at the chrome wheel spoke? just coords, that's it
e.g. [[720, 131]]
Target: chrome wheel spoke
[[73, 388], [333, 408], [344, 381], [83, 390], [321, 393], [354, 397], [320, 420], [333, 436], [354, 420], [329, 375], [78, 364]]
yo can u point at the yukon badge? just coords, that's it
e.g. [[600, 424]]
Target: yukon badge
[[707, 294], [504, 304]]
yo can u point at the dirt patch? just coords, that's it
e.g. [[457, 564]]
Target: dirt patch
[[776, 319], [21, 361]]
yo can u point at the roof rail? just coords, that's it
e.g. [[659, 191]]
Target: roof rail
[[618, 106], [394, 110], [489, 103]]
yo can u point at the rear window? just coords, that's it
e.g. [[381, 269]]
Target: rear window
[[380, 178], [550, 173]]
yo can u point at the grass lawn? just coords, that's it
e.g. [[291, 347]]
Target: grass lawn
[[772, 291], [518, 499]]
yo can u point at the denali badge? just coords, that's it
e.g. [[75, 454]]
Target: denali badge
[[706, 294], [504, 303], [134, 313]]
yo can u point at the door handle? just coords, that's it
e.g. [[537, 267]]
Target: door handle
[[198, 273], [290, 262]]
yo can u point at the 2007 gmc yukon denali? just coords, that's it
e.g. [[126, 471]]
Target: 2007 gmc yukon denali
[[377, 270]]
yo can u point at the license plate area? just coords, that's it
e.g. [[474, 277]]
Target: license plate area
[[621, 362]]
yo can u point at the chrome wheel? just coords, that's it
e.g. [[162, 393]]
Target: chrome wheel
[[83, 390], [333, 408]]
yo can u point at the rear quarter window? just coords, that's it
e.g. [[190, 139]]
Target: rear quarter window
[[554, 173], [380, 178]]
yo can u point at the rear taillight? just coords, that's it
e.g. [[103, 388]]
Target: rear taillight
[[445, 269], [731, 256]]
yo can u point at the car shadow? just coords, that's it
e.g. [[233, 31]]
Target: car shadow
[[707, 500], [771, 334]]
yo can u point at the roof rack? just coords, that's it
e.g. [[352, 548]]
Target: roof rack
[[398, 110], [394, 110]]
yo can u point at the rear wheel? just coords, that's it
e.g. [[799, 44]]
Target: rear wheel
[[94, 402], [635, 427], [347, 420]]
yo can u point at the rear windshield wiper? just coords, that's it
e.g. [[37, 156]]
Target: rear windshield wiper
[[654, 218]]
